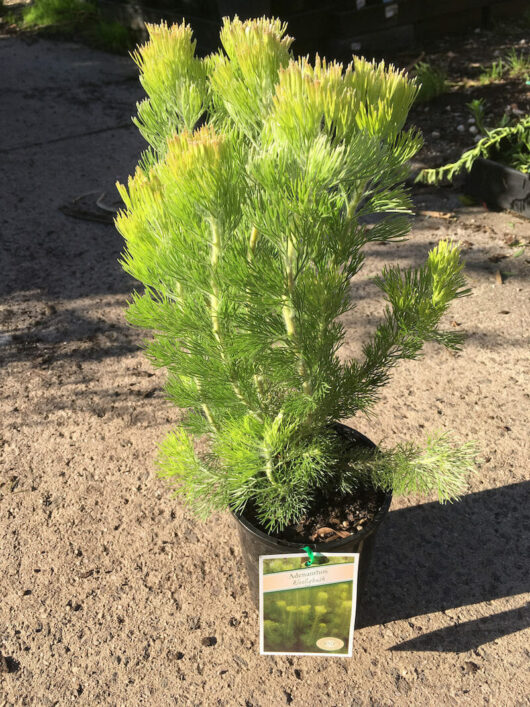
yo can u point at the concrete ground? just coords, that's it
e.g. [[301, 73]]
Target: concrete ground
[[111, 593]]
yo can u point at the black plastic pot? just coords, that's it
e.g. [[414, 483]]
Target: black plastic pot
[[499, 187], [254, 542]]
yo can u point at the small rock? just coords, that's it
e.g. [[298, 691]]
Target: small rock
[[473, 129], [470, 667], [435, 134], [8, 664], [194, 622], [209, 641], [511, 240], [86, 574], [461, 128], [240, 661]]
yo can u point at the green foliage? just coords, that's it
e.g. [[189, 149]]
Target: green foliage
[[494, 73], [440, 468], [44, 13], [477, 108], [509, 144], [518, 65], [245, 223], [77, 17], [110, 36], [432, 81], [514, 65]]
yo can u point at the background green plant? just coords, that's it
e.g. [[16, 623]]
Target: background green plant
[[44, 13], [432, 81], [77, 18], [515, 65], [246, 232], [509, 144]]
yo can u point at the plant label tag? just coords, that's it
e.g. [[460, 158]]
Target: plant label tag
[[307, 610]]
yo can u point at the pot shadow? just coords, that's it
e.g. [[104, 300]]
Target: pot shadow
[[432, 557]]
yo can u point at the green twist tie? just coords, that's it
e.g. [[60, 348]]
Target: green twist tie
[[310, 555]]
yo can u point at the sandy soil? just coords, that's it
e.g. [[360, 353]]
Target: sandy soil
[[111, 592]]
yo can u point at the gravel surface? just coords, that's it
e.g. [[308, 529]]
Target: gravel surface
[[111, 592]]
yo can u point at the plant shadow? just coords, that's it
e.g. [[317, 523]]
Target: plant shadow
[[465, 637], [433, 557]]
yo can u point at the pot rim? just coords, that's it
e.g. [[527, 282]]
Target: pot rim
[[334, 544]]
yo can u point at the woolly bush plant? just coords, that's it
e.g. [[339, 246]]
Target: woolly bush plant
[[245, 222]]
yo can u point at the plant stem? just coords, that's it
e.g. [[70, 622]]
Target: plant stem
[[205, 408], [214, 306], [252, 243], [289, 313], [268, 465]]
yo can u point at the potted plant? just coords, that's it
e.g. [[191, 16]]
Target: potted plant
[[497, 168], [246, 221]]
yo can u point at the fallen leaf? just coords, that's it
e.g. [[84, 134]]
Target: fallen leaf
[[324, 531], [437, 214], [455, 324], [327, 534], [497, 257], [498, 277], [511, 240], [466, 245]]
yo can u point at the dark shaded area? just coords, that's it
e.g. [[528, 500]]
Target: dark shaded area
[[63, 264], [471, 634], [434, 557], [334, 27], [71, 334], [499, 186]]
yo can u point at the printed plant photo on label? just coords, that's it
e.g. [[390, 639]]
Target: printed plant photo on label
[[308, 610]]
